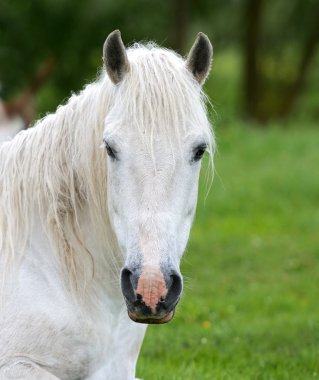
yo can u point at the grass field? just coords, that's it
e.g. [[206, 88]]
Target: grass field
[[250, 308]]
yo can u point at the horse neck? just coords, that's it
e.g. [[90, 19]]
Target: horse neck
[[56, 173]]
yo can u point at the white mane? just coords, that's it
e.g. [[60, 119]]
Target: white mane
[[54, 171]]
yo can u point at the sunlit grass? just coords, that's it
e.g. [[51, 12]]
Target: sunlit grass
[[250, 308]]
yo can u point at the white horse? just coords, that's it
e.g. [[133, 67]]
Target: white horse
[[96, 203]]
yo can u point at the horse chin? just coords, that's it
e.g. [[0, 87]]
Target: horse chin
[[151, 320]]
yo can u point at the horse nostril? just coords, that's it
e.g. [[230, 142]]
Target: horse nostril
[[126, 285], [175, 287]]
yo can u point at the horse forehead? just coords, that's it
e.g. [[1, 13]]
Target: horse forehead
[[149, 163], [156, 163], [163, 152]]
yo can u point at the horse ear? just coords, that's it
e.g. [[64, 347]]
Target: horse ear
[[115, 57], [200, 57]]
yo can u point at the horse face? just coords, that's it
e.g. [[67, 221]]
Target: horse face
[[153, 173], [152, 199]]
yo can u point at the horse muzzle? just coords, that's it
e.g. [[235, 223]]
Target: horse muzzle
[[151, 295]]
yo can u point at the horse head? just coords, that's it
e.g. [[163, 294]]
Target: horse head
[[155, 134]]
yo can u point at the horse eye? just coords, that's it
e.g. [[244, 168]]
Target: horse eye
[[110, 151], [199, 152]]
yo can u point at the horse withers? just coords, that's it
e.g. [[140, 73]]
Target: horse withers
[[96, 206]]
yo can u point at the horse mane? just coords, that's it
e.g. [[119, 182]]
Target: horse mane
[[52, 171]]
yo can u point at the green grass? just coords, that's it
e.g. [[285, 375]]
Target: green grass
[[250, 308]]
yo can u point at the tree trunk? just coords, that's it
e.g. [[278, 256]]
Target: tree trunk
[[252, 20], [307, 57], [181, 9]]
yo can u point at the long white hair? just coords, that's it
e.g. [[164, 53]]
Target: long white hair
[[53, 170]]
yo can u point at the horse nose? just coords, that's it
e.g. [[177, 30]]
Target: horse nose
[[127, 285], [151, 295], [175, 286]]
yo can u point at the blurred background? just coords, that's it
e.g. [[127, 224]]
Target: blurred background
[[265, 65], [250, 308]]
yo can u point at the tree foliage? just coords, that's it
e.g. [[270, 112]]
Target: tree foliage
[[277, 40]]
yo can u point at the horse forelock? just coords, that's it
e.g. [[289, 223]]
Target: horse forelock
[[159, 96]]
